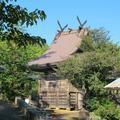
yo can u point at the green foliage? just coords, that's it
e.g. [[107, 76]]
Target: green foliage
[[93, 103], [12, 16], [94, 68], [96, 39], [14, 80], [108, 111]]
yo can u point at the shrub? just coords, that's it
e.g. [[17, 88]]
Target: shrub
[[92, 104], [108, 111]]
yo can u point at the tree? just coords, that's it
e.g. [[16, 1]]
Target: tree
[[91, 70], [12, 16], [14, 81]]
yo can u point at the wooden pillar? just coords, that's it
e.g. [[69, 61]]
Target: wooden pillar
[[69, 97], [80, 101], [39, 85], [117, 91], [109, 91], [39, 97], [76, 101]]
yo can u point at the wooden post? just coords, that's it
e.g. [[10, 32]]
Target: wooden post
[[80, 99], [17, 99], [76, 100], [39, 85]]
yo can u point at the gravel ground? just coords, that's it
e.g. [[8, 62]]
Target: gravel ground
[[8, 112]]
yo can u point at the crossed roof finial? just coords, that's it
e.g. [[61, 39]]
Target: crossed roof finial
[[61, 28], [81, 25]]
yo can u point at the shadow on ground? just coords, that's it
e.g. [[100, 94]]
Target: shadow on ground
[[9, 112]]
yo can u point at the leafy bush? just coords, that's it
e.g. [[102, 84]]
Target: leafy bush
[[108, 111], [16, 80], [91, 70], [92, 104]]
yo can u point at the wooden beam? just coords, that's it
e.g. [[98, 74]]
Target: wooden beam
[[81, 25], [59, 25], [61, 28]]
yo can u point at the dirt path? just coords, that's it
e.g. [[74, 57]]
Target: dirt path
[[8, 112], [64, 115]]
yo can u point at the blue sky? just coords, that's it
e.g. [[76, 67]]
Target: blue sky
[[98, 13]]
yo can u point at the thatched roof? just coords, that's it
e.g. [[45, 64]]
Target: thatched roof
[[114, 85], [63, 46]]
